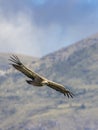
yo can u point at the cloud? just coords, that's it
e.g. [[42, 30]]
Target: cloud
[[35, 28], [18, 35], [62, 12]]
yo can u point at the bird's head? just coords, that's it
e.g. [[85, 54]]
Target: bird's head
[[45, 82]]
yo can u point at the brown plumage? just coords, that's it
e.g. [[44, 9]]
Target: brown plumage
[[36, 79]]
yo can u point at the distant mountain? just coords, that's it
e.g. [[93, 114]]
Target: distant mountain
[[24, 107], [74, 65]]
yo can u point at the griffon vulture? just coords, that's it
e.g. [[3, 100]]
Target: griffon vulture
[[36, 79]]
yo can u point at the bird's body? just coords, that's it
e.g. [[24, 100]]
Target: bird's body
[[36, 79]]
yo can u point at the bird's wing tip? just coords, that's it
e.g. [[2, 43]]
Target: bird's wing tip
[[69, 94], [14, 59]]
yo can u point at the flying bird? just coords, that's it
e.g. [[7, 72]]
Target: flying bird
[[36, 79]]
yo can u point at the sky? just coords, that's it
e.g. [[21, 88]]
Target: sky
[[40, 27]]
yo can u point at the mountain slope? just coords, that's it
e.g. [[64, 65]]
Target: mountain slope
[[24, 107], [77, 62]]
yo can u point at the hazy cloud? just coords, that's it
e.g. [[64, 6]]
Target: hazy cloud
[[37, 27], [18, 35]]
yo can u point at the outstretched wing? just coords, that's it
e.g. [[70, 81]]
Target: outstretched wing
[[60, 88], [16, 63]]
